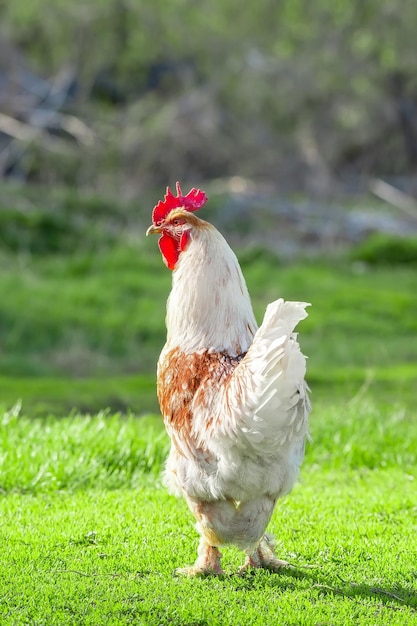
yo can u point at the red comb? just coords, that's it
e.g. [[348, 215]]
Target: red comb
[[193, 201]]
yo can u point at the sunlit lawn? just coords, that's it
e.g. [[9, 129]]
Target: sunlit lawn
[[90, 536]]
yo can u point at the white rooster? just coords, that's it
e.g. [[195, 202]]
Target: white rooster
[[233, 396]]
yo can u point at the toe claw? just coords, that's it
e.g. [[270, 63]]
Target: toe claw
[[263, 557], [198, 571], [207, 563]]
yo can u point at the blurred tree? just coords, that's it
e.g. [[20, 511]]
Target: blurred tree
[[288, 91]]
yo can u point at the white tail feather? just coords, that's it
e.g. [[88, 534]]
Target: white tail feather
[[267, 395]]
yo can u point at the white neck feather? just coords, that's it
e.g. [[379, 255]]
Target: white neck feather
[[209, 306]]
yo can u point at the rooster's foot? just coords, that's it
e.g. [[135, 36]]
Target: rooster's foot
[[207, 564], [263, 557]]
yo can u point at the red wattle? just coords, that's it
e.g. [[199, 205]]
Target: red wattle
[[185, 238], [169, 249]]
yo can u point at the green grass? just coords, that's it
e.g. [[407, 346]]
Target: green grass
[[58, 395], [101, 318], [89, 536]]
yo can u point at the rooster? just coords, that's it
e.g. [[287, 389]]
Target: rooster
[[233, 396]]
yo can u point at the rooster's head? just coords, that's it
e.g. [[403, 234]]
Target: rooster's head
[[173, 219]]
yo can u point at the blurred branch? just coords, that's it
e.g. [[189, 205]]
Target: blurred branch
[[26, 132], [18, 130], [77, 128], [394, 196]]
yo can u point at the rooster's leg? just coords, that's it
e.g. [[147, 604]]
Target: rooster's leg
[[263, 556], [208, 561]]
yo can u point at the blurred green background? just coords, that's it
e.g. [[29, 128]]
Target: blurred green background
[[299, 120]]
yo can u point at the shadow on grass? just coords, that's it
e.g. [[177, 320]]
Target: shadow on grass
[[393, 598]]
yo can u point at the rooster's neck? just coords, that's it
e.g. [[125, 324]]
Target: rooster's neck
[[209, 306]]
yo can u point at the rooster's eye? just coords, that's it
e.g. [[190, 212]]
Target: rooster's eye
[[177, 222]]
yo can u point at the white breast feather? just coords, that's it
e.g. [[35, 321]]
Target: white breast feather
[[209, 306]]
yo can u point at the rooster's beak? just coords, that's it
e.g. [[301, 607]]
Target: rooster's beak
[[153, 230]]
